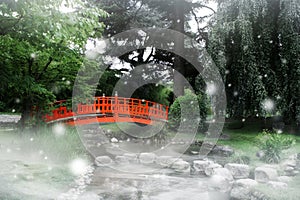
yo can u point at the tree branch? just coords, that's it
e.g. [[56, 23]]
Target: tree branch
[[203, 6], [44, 69]]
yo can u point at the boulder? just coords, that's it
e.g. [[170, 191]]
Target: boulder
[[131, 157], [242, 189], [284, 179], [147, 158], [277, 185], [103, 161], [199, 166], [166, 161], [265, 174], [219, 183], [223, 172], [238, 171], [181, 166], [121, 159], [289, 163], [209, 170], [114, 140]]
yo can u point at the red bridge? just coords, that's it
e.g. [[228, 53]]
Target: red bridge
[[109, 110]]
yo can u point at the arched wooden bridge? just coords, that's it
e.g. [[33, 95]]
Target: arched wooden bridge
[[108, 110]]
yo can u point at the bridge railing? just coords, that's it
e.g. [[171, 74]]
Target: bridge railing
[[117, 107]]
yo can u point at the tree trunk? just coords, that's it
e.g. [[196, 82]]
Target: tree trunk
[[179, 71], [25, 116]]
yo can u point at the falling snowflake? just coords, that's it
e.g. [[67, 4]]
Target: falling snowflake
[[41, 152], [17, 100], [33, 55], [211, 88], [243, 120], [229, 85], [235, 93], [279, 131], [59, 130], [268, 105], [78, 166]]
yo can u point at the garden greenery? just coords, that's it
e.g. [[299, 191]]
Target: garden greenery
[[188, 104], [272, 145]]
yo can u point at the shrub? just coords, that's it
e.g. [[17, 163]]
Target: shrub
[[272, 145], [187, 106]]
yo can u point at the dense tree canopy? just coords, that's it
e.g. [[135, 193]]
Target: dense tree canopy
[[256, 46], [41, 44], [254, 43], [171, 14]]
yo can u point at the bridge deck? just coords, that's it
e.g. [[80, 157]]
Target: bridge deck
[[109, 110]]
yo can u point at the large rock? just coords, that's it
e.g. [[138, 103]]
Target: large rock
[[114, 140], [199, 166], [265, 174], [238, 171], [122, 159], [277, 185], [166, 161], [147, 158], [131, 157], [242, 189], [284, 179], [103, 161], [210, 170], [219, 183], [223, 172], [181, 166]]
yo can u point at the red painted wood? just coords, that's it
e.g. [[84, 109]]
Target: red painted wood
[[109, 110]]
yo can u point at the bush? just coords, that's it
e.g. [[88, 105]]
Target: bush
[[272, 144], [187, 106]]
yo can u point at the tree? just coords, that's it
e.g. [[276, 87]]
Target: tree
[[255, 45], [41, 49], [172, 14]]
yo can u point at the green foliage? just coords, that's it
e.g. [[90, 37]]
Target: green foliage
[[186, 105], [257, 44], [41, 49], [272, 145]]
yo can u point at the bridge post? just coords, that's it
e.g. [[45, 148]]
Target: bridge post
[[116, 107]]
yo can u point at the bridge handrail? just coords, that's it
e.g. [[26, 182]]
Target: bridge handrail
[[114, 106]]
